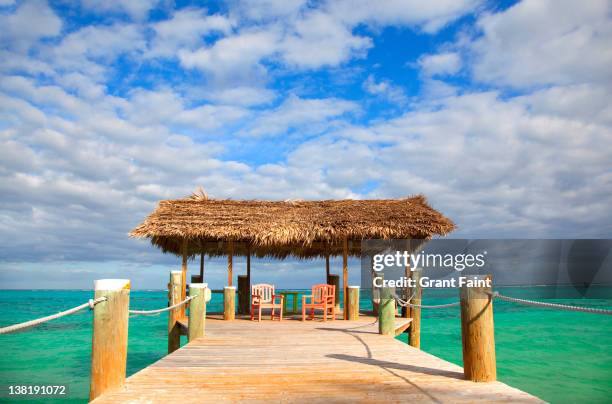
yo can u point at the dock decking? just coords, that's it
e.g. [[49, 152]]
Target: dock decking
[[294, 361]]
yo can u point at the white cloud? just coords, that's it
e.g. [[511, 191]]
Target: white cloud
[[384, 89], [137, 9], [430, 16], [32, 20], [543, 42], [235, 57], [308, 115], [185, 31], [446, 63]]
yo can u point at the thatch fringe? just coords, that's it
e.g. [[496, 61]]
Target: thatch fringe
[[281, 228]]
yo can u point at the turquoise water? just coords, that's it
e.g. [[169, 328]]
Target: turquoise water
[[561, 357]]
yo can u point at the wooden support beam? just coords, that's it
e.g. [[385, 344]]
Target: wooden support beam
[[229, 303], [197, 311], [327, 273], [353, 303], [110, 336], [345, 275], [184, 252], [477, 333], [415, 312], [174, 296], [230, 262]]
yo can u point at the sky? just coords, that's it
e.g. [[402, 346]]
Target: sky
[[498, 112]]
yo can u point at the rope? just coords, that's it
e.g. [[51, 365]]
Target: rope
[[423, 306], [550, 305], [16, 327], [153, 312]]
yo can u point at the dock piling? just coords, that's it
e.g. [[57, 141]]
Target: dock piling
[[229, 303], [386, 313], [353, 303], [197, 310], [414, 331], [477, 333], [174, 296], [110, 335]]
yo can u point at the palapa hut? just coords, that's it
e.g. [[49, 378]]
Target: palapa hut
[[304, 229]]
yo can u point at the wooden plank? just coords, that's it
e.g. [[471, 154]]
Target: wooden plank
[[294, 361], [402, 325]]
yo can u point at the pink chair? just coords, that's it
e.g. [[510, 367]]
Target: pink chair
[[323, 297], [263, 297]]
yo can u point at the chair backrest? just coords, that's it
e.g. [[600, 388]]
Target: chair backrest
[[264, 290], [323, 292]]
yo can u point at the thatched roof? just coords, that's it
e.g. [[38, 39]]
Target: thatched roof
[[280, 228]]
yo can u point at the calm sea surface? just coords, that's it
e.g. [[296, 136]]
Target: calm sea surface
[[561, 357]]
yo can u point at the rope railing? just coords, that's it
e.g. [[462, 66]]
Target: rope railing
[[406, 303], [32, 323], [583, 309], [157, 311]]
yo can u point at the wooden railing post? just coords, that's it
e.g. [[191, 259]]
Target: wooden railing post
[[110, 336], [175, 288], [477, 333], [414, 330], [229, 303], [353, 302], [197, 310], [386, 313]]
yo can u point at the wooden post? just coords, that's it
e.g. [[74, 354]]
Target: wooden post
[[386, 313], [335, 281], [184, 276], [414, 329], [345, 276], [477, 333], [327, 268], [248, 270], [408, 275], [243, 294], [230, 262], [229, 303], [197, 310], [353, 302], [174, 296], [202, 267], [375, 294], [110, 336]]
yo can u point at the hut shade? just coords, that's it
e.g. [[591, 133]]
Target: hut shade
[[288, 227]]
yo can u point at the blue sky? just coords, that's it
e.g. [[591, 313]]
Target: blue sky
[[498, 112]]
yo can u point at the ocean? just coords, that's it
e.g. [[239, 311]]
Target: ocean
[[559, 356]]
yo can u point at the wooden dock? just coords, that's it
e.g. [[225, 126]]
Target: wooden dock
[[294, 361]]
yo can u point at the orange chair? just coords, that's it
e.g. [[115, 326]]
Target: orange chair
[[323, 297], [263, 297]]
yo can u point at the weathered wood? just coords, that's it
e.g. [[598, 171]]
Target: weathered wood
[[305, 362], [345, 277], [327, 273], [401, 325], [110, 335], [243, 294], [174, 296], [334, 280], [477, 333], [230, 262], [229, 303], [386, 313], [184, 275], [353, 303], [197, 311], [414, 330]]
